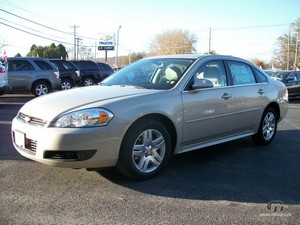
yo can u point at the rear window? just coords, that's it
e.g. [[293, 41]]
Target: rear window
[[43, 65]]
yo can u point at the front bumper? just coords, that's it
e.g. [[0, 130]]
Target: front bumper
[[68, 147]]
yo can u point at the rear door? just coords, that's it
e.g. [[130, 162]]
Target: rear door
[[20, 74], [249, 88], [208, 112]]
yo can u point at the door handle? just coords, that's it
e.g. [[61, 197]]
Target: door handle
[[260, 91], [226, 96]]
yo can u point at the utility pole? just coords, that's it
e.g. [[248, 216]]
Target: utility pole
[[288, 53], [209, 41], [296, 52], [78, 39], [117, 48], [74, 51]]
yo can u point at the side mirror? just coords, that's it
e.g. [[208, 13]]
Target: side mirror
[[200, 83]]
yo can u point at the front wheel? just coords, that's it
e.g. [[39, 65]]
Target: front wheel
[[145, 150], [88, 81], [66, 84], [267, 128]]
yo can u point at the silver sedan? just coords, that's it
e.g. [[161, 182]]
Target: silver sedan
[[141, 115]]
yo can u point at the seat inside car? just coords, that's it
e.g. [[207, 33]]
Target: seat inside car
[[172, 74], [214, 75]]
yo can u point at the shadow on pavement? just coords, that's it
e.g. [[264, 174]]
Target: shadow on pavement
[[235, 171]]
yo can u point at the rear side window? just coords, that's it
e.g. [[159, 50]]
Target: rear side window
[[19, 65], [88, 65], [241, 73], [43, 65], [260, 77]]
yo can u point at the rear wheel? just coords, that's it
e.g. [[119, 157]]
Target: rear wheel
[[145, 150], [267, 128], [40, 88]]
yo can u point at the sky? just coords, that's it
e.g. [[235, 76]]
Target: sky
[[243, 28]]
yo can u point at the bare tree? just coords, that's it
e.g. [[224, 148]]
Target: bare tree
[[285, 54], [173, 42]]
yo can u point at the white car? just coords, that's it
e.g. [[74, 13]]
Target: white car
[[3, 79], [141, 115]]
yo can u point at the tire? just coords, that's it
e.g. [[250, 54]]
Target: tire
[[88, 81], [40, 88], [267, 128], [145, 150], [66, 84]]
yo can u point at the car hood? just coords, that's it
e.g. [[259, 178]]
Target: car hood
[[49, 106]]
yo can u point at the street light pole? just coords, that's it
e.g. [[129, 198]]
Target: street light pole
[[117, 48]]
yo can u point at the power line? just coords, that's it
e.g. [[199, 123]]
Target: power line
[[28, 27], [251, 27], [35, 22], [35, 34]]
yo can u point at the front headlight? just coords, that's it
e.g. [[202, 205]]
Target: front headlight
[[85, 118]]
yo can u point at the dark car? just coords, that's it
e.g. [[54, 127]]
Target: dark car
[[291, 79], [89, 72], [105, 69], [69, 73]]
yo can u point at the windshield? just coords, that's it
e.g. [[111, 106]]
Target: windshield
[[281, 74], [159, 73]]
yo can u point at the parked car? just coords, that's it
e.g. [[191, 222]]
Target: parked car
[[105, 69], [141, 115], [3, 79], [291, 79], [89, 71], [32, 74], [68, 72]]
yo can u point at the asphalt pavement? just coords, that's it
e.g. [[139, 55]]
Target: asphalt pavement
[[232, 183]]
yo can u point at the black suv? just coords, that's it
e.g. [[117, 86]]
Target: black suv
[[69, 73], [291, 79], [105, 69], [89, 71]]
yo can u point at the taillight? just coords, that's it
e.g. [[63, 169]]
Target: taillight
[[56, 74], [2, 70]]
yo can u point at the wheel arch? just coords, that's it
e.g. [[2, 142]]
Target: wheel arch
[[42, 80], [167, 122], [275, 106]]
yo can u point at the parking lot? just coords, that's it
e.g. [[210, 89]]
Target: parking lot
[[231, 183]]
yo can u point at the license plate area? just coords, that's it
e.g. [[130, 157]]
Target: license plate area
[[20, 139]]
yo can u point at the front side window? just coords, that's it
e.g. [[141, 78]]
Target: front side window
[[19, 65], [241, 73], [214, 72]]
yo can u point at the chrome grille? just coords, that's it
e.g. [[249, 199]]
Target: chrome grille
[[31, 120]]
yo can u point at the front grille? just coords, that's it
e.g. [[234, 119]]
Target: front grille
[[31, 120]]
